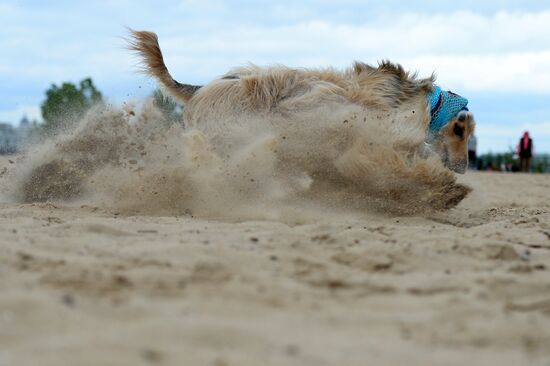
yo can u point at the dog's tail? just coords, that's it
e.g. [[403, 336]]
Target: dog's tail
[[147, 46]]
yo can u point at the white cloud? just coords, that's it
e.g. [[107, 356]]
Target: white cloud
[[505, 51], [502, 51], [507, 72]]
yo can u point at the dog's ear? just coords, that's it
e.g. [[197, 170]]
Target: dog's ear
[[254, 89], [250, 85]]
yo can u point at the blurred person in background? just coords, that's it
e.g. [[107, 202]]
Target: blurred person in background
[[525, 152]]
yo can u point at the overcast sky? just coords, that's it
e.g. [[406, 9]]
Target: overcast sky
[[495, 53]]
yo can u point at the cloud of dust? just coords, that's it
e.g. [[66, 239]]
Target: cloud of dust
[[128, 161]]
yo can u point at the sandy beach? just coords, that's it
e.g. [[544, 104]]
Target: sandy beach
[[80, 285]]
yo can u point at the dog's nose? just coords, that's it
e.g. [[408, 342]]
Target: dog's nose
[[459, 167]]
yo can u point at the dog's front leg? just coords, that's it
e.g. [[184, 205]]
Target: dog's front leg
[[401, 181]]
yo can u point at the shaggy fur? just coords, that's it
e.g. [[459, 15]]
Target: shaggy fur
[[365, 126], [147, 44]]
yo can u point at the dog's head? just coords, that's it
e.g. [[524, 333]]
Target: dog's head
[[451, 141], [450, 128]]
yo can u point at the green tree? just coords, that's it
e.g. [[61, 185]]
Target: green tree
[[172, 111], [541, 163], [66, 104]]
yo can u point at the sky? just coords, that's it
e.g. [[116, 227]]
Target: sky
[[495, 53]]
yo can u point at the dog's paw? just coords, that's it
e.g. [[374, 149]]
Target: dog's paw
[[450, 196]]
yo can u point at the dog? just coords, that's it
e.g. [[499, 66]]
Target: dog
[[381, 129]]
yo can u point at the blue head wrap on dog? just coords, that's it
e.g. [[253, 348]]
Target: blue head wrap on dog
[[444, 106]]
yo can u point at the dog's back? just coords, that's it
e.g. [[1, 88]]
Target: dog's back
[[315, 115]]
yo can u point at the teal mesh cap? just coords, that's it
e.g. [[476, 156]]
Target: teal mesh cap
[[445, 105]]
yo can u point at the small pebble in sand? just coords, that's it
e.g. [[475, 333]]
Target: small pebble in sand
[[292, 350], [151, 355], [144, 231], [68, 300], [24, 256]]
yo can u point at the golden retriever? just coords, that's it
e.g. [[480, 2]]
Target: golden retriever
[[367, 126]]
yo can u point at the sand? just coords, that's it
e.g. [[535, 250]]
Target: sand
[[80, 285]]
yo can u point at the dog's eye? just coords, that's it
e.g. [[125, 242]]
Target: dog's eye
[[459, 131]]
